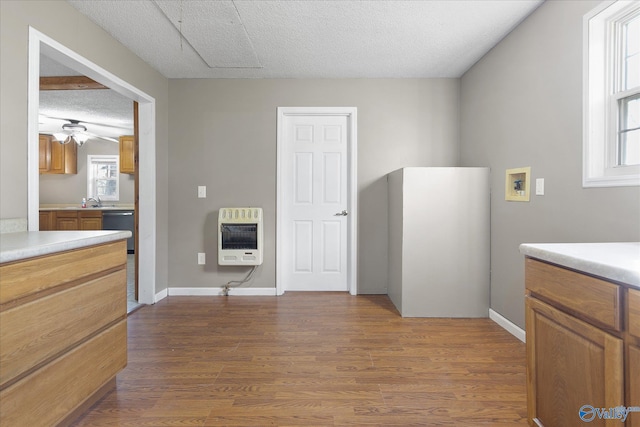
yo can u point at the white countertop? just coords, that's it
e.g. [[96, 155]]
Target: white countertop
[[88, 208], [28, 244], [614, 261]]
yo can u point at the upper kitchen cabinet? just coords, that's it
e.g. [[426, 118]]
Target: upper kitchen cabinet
[[127, 154], [57, 158]]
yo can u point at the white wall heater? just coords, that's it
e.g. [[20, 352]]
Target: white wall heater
[[240, 236]]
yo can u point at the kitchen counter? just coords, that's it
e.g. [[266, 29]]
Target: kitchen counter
[[618, 261], [63, 311], [89, 207], [29, 244]]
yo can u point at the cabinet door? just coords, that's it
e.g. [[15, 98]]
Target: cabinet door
[[44, 153], [633, 352], [64, 158], [66, 220], [67, 224], [46, 223], [570, 364], [90, 220], [57, 157], [127, 154], [634, 385]]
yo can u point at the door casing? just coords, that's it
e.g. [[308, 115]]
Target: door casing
[[41, 43], [352, 189]]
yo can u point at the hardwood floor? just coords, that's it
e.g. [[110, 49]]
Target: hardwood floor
[[312, 359]]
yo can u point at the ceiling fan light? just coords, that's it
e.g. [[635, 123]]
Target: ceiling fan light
[[80, 138], [60, 136]]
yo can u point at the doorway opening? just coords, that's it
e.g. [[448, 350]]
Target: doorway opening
[[146, 205]]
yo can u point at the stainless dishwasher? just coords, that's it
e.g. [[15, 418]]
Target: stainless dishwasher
[[120, 220]]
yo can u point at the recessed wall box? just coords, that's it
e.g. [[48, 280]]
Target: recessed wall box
[[517, 183]]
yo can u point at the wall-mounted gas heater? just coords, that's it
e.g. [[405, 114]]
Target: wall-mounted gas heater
[[240, 236]]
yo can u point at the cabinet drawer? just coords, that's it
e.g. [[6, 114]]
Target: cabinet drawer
[[634, 312], [27, 277], [35, 332], [592, 299], [71, 213], [47, 395], [90, 214]]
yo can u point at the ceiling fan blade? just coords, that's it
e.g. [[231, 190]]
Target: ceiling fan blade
[[89, 123], [106, 138]]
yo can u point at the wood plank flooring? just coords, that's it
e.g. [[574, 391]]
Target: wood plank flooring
[[312, 359]]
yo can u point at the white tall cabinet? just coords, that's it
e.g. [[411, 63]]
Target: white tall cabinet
[[439, 241]]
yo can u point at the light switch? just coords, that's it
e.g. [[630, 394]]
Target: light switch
[[202, 191], [540, 187], [201, 258]]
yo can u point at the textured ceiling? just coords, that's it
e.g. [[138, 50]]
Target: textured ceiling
[[281, 39], [104, 112], [308, 38]]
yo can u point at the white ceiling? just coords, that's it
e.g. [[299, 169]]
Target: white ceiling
[[308, 38]]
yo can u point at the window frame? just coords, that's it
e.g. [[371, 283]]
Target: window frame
[[601, 95], [91, 180]]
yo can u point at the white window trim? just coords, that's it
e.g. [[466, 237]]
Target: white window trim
[[599, 134], [110, 157]]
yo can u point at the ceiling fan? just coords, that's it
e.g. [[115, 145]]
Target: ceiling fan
[[76, 131]]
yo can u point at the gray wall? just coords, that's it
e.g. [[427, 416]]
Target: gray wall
[[223, 135], [60, 21], [522, 106], [71, 189]]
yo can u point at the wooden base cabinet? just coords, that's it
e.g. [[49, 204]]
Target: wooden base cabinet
[[70, 220], [570, 364], [578, 363], [633, 354], [64, 332]]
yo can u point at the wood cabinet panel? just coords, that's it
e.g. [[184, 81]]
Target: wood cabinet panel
[[71, 220], [127, 154], [57, 158], [570, 363], [90, 220], [66, 224], [634, 313], [44, 156], [21, 279], [46, 221], [592, 298], [37, 331], [50, 393], [634, 385]]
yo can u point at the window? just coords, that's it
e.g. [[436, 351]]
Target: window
[[103, 177], [612, 95]]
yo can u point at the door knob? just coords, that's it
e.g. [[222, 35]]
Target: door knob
[[343, 213]]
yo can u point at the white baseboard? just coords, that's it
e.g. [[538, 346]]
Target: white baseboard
[[218, 291], [161, 295], [508, 325]]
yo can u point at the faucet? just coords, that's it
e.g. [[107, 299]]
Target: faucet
[[98, 201]]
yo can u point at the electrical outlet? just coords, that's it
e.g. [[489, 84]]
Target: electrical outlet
[[202, 191], [201, 258]]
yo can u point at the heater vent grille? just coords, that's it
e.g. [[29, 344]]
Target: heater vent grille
[[240, 215], [240, 236]]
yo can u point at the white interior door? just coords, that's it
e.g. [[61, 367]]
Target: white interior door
[[314, 202]]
